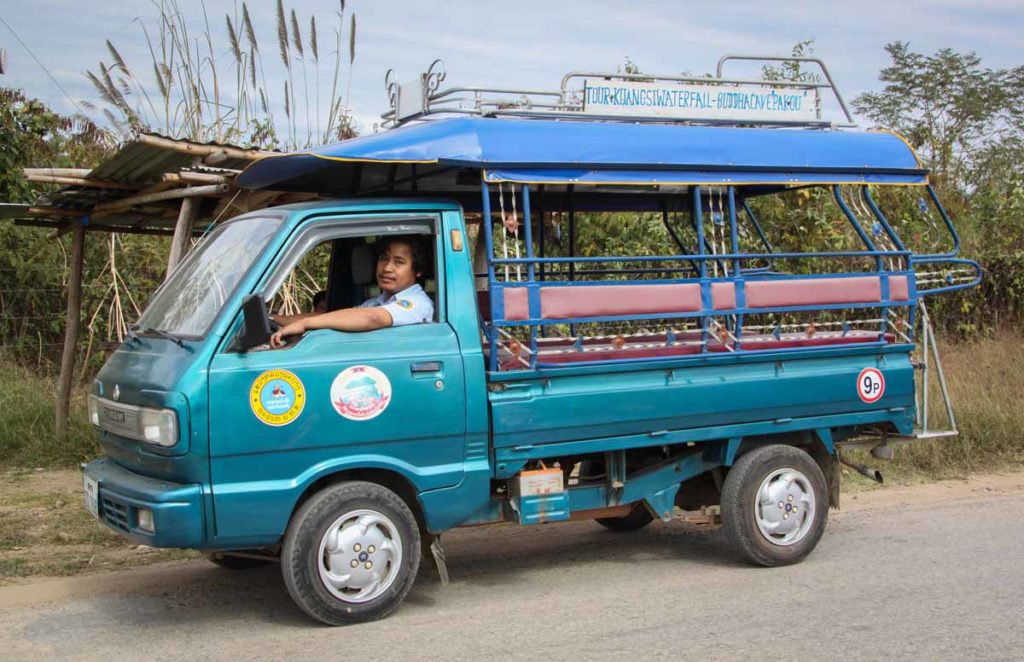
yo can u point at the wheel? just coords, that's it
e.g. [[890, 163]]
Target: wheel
[[233, 562], [351, 553], [637, 519], [774, 505]]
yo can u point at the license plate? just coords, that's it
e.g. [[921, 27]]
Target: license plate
[[91, 488], [113, 415]]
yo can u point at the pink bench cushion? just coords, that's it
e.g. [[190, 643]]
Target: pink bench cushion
[[822, 291], [597, 300], [568, 302]]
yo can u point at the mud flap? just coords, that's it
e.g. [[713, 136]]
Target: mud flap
[[440, 559]]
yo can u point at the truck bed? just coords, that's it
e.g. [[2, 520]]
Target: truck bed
[[581, 402]]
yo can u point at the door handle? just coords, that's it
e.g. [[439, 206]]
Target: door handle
[[426, 366]]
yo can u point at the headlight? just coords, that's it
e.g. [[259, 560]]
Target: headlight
[[159, 426], [154, 426], [94, 410]]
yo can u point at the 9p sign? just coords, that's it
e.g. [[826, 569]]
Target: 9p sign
[[870, 385]]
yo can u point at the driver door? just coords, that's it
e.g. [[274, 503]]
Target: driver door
[[392, 398]]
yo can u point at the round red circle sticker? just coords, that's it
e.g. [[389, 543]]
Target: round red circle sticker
[[870, 385]]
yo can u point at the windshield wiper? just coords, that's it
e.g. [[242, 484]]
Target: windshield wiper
[[161, 334]]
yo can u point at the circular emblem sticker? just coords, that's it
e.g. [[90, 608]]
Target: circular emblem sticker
[[360, 393], [870, 385], [277, 397]]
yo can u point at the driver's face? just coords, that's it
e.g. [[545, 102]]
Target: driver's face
[[394, 268]]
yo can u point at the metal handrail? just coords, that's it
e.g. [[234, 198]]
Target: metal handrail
[[793, 58], [566, 102]]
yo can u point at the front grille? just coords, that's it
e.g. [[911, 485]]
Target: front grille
[[115, 514]]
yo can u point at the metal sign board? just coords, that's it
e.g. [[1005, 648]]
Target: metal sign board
[[728, 102], [411, 99]]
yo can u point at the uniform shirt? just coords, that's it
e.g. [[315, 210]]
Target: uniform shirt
[[410, 306]]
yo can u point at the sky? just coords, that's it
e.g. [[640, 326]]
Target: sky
[[525, 43]]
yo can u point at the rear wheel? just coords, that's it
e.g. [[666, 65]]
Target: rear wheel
[[351, 553], [774, 505]]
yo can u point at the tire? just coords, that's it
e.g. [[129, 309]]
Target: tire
[[366, 524], [756, 525], [637, 519], [231, 562]]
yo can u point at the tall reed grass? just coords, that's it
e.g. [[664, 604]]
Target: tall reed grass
[[202, 86]]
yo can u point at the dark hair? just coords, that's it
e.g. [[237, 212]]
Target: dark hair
[[421, 263], [318, 297]]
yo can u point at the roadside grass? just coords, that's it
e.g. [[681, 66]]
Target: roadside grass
[[986, 385], [27, 437], [985, 377], [45, 530]]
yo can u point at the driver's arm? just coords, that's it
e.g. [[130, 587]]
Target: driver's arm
[[346, 319], [284, 320]]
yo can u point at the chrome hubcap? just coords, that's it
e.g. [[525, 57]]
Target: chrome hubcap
[[784, 507], [360, 555]]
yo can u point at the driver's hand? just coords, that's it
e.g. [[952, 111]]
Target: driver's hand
[[293, 329]]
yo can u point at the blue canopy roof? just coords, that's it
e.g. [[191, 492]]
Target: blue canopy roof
[[554, 151]]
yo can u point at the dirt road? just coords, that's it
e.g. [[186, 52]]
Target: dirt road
[[923, 573]]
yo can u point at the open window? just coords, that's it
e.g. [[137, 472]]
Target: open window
[[336, 262]]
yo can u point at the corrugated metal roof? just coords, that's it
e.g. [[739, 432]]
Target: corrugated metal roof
[[140, 165]]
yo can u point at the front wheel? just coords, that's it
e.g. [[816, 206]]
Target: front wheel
[[351, 553], [775, 505]]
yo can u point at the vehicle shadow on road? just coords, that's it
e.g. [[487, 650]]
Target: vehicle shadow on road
[[495, 556], [199, 594]]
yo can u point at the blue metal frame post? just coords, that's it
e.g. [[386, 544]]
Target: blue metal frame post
[[740, 289], [572, 244], [705, 285], [488, 230], [532, 291]]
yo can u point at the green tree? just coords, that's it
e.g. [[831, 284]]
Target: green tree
[[966, 122], [950, 107]]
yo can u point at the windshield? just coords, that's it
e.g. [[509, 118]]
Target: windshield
[[189, 301]]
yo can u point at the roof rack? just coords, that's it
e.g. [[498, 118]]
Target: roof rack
[[631, 97]]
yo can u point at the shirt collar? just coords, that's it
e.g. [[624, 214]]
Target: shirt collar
[[413, 289]]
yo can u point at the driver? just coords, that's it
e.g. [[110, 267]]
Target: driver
[[401, 300]]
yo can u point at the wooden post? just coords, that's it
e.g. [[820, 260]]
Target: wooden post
[[182, 232], [67, 360]]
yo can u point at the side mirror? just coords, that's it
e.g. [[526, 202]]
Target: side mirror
[[255, 323]]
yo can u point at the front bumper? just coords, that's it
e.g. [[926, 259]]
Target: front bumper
[[177, 509]]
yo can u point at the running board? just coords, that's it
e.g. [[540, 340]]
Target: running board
[[883, 440]]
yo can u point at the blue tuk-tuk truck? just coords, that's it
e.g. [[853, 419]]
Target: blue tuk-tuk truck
[[695, 366]]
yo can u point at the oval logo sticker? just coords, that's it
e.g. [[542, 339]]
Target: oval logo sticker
[[870, 385], [360, 393], [277, 397]]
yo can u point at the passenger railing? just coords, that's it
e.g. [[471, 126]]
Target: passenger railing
[[718, 306], [723, 294]]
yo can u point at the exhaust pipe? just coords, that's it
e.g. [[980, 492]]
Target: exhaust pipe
[[864, 470]]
